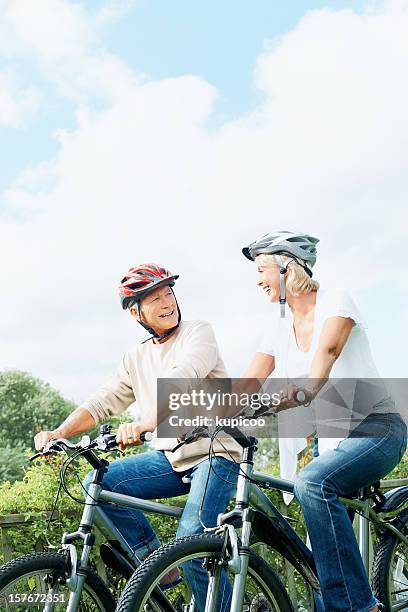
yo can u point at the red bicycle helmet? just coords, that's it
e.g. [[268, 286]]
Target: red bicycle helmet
[[142, 279]]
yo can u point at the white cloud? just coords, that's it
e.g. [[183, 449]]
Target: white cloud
[[17, 104], [144, 179], [397, 7], [63, 41]]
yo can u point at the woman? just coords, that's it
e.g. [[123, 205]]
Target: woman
[[322, 335]]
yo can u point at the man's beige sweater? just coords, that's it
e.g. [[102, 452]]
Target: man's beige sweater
[[191, 352]]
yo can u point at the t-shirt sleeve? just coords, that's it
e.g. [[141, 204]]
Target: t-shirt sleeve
[[339, 303]]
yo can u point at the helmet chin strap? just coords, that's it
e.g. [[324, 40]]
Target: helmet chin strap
[[282, 287]]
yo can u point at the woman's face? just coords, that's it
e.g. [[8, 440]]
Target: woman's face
[[268, 281], [159, 309]]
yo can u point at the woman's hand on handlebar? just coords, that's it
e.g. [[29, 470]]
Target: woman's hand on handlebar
[[129, 434], [292, 396]]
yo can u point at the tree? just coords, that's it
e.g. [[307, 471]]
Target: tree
[[28, 405]]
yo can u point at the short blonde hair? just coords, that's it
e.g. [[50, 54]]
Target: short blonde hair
[[297, 279]]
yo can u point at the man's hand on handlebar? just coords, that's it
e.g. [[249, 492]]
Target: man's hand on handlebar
[[129, 434], [43, 437]]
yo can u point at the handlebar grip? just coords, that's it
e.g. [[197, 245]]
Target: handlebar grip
[[300, 396], [146, 436]]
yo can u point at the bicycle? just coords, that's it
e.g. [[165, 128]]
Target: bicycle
[[65, 580], [225, 553]]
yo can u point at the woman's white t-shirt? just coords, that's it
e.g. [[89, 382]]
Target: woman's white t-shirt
[[354, 362]]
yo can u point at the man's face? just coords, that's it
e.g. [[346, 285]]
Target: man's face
[[158, 309]]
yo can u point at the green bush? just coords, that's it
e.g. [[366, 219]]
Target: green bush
[[12, 462], [34, 496]]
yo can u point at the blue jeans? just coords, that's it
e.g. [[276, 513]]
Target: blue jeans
[[356, 462], [150, 475]]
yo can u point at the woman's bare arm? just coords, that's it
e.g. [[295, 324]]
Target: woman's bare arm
[[258, 370], [333, 337]]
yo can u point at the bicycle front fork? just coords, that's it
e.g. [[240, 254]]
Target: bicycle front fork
[[235, 558]]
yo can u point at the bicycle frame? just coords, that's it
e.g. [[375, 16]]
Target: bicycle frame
[[261, 517], [380, 520], [93, 514]]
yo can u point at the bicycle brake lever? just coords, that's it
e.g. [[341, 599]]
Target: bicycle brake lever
[[264, 410], [115, 448], [199, 432], [103, 444], [36, 456], [43, 454]]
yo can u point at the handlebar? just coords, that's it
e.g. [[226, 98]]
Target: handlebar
[[106, 441]]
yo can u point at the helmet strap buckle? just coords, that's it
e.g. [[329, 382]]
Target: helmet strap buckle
[[282, 287], [282, 291]]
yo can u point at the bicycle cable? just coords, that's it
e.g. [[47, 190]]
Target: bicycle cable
[[251, 480], [211, 456], [67, 462], [51, 515]]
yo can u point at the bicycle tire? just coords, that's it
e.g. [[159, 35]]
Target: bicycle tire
[[139, 588], [54, 564], [390, 568]]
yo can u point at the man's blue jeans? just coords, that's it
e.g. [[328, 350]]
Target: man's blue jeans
[[149, 475], [356, 462]]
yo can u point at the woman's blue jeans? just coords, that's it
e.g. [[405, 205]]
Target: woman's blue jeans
[[356, 462], [150, 475]]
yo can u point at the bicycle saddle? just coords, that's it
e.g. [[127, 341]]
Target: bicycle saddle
[[391, 500]]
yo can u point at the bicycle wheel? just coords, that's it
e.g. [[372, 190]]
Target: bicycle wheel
[[390, 570], [264, 591], [32, 581]]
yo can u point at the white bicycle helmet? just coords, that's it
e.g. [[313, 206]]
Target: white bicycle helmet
[[298, 246]]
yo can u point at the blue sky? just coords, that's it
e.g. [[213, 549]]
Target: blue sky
[[218, 41]]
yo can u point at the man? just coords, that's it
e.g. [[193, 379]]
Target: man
[[176, 349]]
